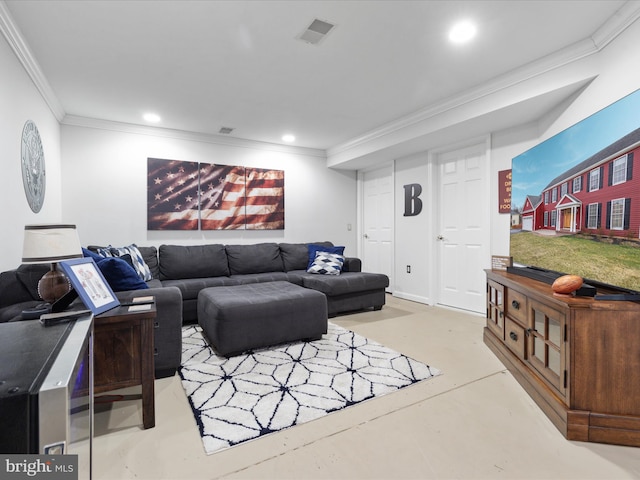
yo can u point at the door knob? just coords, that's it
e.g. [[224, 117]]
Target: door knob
[[365, 235], [440, 237]]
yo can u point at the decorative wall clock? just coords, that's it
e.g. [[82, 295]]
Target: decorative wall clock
[[33, 171]]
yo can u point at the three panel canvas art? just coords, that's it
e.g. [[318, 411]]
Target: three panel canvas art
[[184, 195]]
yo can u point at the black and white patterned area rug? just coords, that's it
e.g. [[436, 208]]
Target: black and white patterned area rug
[[260, 392]]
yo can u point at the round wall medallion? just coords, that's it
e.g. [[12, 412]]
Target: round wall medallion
[[33, 171]]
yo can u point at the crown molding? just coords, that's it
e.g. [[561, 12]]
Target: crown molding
[[613, 27], [86, 122], [12, 33]]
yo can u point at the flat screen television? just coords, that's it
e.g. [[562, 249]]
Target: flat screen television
[[575, 200]]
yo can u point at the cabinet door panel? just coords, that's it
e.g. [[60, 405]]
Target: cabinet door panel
[[495, 308], [546, 344]]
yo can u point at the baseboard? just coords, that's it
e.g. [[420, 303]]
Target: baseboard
[[412, 297]]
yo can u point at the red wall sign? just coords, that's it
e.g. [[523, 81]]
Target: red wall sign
[[504, 191]]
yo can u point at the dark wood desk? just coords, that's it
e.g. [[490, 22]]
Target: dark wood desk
[[123, 354]]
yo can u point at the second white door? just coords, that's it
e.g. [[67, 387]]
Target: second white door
[[377, 225], [462, 233]]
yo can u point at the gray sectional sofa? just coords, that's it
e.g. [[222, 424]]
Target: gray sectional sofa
[[180, 272], [192, 268]]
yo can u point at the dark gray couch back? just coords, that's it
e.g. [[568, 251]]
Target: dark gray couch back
[[192, 261], [256, 258], [175, 262]]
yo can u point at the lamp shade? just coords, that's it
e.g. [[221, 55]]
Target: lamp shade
[[50, 243]]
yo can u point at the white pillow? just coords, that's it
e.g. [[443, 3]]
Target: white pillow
[[139, 265], [327, 263]]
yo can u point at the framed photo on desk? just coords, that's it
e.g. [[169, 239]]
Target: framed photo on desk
[[91, 286]]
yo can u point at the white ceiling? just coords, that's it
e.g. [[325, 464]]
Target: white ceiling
[[202, 65]]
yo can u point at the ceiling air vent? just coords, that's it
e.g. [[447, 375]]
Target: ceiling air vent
[[225, 130], [316, 32]]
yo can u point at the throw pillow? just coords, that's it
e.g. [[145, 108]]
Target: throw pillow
[[89, 254], [313, 249], [139, 264], [327, 263], [120, 275]]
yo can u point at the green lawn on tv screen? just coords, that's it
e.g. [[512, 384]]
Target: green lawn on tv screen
[[594, 259]]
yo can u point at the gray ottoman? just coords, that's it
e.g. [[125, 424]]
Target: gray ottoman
[[245, 317]]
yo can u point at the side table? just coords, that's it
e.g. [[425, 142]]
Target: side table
[[123, 353]]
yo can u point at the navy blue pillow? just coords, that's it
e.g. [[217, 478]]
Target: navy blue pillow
[[120, 275], [313, 249], [88, 253]]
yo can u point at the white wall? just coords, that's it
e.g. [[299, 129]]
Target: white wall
[[105, 174], [412, 232], [505, 145], [20, 101], [616, 75]]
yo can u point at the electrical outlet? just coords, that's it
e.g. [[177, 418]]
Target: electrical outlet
[[408, 268]]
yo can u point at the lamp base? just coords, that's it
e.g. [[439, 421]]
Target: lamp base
[[53, 285]]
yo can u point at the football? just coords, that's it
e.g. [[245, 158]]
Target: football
[[566, 284]]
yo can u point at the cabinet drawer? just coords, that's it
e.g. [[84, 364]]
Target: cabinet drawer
[[516, 306], [514, 337]]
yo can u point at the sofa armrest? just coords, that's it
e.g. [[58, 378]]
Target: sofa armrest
[[167, 328], [165, 297], [352, 264]]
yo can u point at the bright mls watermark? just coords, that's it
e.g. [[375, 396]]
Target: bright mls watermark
[[50, 467]]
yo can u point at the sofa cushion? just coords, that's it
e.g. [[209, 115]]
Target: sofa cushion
[[257, 258], [30, 275], [120, 275], [192, 261], [295, 256], [154, 283], [346, 282], [190, 287], [13, 313], [327, 264], [263, 277], [315, 248], [12, 291]]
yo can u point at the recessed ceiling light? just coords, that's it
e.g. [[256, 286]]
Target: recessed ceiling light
[[288, 138], [462, 32], [151, 117]]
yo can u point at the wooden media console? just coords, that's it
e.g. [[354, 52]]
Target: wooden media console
[[577, 357]]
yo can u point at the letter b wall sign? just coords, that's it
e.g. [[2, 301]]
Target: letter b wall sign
[[412, 201]]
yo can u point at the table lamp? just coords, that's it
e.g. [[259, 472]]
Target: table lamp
[[51, 244]]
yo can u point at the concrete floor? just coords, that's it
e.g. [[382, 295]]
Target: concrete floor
[[472, 422]]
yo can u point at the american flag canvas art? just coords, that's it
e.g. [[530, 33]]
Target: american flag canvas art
[[220, 197], [222, 194], [172, 195], [265, 199]]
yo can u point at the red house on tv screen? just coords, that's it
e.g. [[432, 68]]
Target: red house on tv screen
[[599, 195]]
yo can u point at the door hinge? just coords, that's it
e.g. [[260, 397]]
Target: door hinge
[[566, 335], [565, 379]]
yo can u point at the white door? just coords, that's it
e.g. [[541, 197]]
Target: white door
[[463, 237], [527, 223], [377, 222]]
